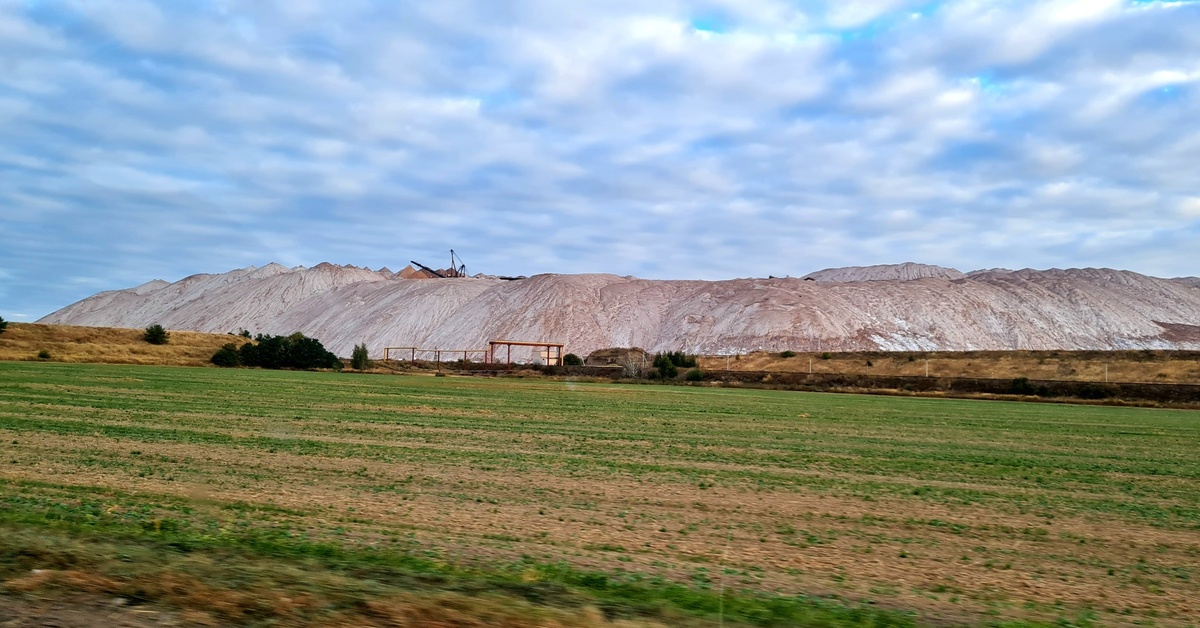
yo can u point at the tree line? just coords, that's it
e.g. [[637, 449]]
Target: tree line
[[296, 351]]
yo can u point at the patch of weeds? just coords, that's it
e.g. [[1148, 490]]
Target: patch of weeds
[[604, 547]]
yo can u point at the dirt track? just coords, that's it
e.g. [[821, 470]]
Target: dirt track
[[82, 611]]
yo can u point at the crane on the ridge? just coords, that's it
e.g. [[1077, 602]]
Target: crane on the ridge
[[457, 269]]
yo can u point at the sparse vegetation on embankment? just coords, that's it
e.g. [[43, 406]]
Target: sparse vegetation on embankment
[[248, 496], [1019, 389], [1143, 366], [107, 345]]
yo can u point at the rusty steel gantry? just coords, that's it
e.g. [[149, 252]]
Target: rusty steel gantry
[[553, 353]]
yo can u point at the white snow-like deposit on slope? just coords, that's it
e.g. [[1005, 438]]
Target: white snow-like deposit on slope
[[908, 271], [345, 305]]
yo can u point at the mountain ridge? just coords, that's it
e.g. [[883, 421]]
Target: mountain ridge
[[920, 307]]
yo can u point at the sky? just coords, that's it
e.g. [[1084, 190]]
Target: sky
[[656, 138]]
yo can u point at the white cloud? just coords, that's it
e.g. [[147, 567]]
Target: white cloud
[[135, 23], [134, 179], [1053, 157], [1189, 208], [985, 134], [20, 35], [854, 13], [913, 87]]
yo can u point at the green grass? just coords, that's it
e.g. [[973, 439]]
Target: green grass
[[660, 504]]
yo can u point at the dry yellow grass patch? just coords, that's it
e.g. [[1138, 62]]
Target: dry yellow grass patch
[[1156, 367], [109, 345]]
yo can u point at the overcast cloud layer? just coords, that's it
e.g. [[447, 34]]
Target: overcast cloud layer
[[655, 138]]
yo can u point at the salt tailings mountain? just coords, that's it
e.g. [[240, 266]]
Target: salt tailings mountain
[[899, 307]]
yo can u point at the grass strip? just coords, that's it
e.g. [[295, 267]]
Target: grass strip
[[133, 558]]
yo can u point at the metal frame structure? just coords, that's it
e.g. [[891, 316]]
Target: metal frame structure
[[553, 353], [457, 269], [550, 360], [414, 350], [437, 353]]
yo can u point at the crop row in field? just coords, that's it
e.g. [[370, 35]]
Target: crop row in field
[[958, 511]]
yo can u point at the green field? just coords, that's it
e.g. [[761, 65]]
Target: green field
[[294, 497]]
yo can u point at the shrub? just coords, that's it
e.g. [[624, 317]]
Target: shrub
[[676, 358], [358, 358], [3, 324], [1021, 386], [826, 356], [572, 360], [156, 335], [788, 354], [694, 375], [664, 367], [1095, 391], [43, 355], [295, 351], [226, 356]]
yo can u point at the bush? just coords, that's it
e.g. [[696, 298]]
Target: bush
[[43, 355], [826, 356], [1095, 391], [1021, 386], [295, 351], [676, 358], [683, 360], [358, 358], [572, 360], [3, 324], [156, 335], [664, 367], [226, 356], [694, 375], [788, 354]]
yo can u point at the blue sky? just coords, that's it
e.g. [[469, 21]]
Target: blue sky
[[664, 139]]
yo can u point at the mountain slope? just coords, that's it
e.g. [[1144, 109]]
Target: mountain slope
[[345, 305], [907, 271]]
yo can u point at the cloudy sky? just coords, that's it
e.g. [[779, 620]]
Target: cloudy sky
[[658, 138]]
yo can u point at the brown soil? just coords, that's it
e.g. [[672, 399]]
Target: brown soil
[[78, 610]]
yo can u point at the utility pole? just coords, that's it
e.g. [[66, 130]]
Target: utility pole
[[926, 367]]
